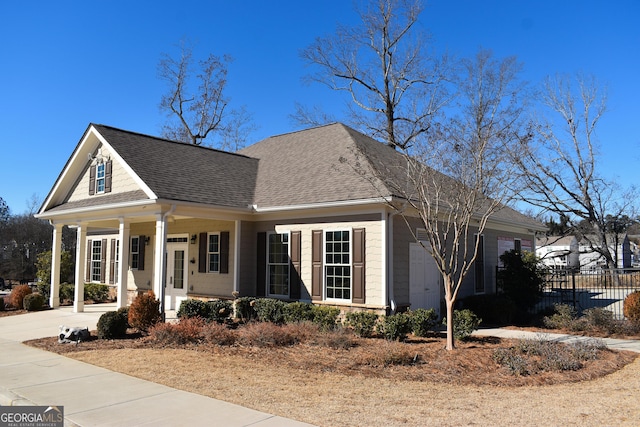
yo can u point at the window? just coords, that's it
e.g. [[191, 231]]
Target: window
[[278, 264], [517, 243], [135, 252], [213, 253], [338, 265], [100, 178], [96, 260]]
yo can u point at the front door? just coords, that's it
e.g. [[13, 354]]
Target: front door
[[424, 279], [176, 284]]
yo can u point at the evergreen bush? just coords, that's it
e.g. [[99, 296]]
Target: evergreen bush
[[243, 308], [296, 312], [423, 321], [96, 292], [363, 323], [395, 327], [190, 308], [33, 302], [464, 323], [522, 279], [218, 310], [325, 317], [112, 324], [270, 310]]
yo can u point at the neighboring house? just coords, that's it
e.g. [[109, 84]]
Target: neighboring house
[[289, 217], [567, 252], [558, 252], [619, 247]]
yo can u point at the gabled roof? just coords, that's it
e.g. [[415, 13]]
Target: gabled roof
[[185, 172], [555, 241]]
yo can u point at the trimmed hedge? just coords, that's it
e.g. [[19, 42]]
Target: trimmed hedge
[[33, 302], [112, 324], [363, 323]]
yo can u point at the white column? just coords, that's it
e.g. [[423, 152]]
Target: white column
[[160, 259], [81, 253], [56, 253], [123, 263]]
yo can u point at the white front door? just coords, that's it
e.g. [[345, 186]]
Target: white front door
[[177, 275], [424, 279]]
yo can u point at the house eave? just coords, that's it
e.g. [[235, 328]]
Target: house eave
[[322, 205]]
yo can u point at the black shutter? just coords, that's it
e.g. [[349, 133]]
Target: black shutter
[[261, 264], [87, 273], [202, 253], [224, 252], [294, 268], [142, 242], [92, 180], [358, 266], [316, 265], [107, 176], [112, 263]]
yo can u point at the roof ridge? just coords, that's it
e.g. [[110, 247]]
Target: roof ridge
[[170, 141]]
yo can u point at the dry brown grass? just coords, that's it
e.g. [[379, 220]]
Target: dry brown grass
[[326, 384]]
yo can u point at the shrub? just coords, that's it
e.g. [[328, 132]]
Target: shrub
[[492, 308], [96, 292], [516, 363], [243, 308], [67, 292], [112, 324], [395, 327], [522, 279], [265, 334], [363, 323], [190, 308], [124, 312], [297, 312], [269, 310], [325, 317], [215, 333], [218, 310], [631, 307], [388, 354], [17, 295], [464, 323], [601, 319], [33, 302], [564, 317], [144, 312], [423, 321], [187, 331], [340, 339]]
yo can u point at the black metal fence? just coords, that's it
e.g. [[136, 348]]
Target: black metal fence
[[585, 289]]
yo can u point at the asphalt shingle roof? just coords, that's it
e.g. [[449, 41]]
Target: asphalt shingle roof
[[185, 172]]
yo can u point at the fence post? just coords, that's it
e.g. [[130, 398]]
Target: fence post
[[573, 284]]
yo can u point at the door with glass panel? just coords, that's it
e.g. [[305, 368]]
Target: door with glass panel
[[176, 283]]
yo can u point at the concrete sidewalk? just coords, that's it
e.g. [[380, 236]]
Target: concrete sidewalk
[[612, 343], [93, 396]]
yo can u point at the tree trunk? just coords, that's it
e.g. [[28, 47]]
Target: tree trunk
[[450, 341]]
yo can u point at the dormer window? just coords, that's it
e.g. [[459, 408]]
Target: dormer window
[[100, 177]]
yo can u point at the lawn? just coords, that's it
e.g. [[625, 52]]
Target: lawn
[[338, 379]]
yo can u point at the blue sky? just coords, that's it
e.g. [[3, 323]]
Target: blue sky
[[67, 64]]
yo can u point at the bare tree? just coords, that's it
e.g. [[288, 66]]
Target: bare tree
[[562, 176], [395, 86], [461, 177], [204, 110]]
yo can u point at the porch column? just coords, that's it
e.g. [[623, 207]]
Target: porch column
[[123, 263], [160, 259], [81, 253], [56, 252]]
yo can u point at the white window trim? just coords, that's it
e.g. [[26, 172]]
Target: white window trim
[[213, 233], [131, 252], [94, 243], [268, 276], [103, 166], [324, 264]]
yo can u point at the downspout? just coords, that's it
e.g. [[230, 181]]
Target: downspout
[[163, 279]]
